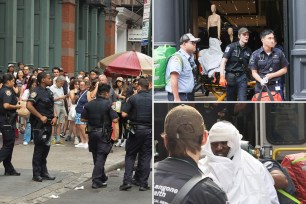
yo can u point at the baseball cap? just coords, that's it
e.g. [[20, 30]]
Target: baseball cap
[[10, 65], [183, 122], [61, 69], [119, 79], [243, 30], [189, 37]]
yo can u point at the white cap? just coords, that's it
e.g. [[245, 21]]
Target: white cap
[[189, 37]]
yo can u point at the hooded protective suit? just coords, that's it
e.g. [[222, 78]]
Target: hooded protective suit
[[243, 178]]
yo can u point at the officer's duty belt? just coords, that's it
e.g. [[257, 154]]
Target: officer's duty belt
[[271, 82], [237, 74], [142, 127], [95, 129]]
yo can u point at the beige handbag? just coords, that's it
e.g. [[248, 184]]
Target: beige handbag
[[23, 111]]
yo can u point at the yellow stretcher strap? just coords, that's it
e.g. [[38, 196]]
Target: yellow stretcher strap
[[289, 196], [298, 160]]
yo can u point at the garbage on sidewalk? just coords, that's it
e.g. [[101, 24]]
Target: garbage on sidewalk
[[54, 196], [79, 188]]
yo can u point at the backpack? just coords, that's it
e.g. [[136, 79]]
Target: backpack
[[161, 56], [296, 166]]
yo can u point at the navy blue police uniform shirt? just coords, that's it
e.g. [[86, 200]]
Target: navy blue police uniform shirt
[[237, 56], [99, 111], [139, 108], [43, 102], [265, 64], [7, 95]]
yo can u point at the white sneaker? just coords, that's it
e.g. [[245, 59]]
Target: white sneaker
[[123, 143], [118, 143], [25, 143], [80, 145], [85, 146], [76, 140]]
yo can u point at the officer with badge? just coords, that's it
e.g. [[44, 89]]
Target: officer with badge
[[268, 64], [235, 63], [138, 109], [8, 116], [41, 106], [99, 116]]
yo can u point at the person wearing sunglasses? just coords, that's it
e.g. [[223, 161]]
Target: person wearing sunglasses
[[179, 71]]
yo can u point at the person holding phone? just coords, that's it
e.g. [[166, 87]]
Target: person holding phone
[[43, 117], [8, 106]]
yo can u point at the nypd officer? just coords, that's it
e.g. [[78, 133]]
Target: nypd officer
[[8, 116], [99, 116], [41, 106], [235, 63], [138, 109], [268, 64]]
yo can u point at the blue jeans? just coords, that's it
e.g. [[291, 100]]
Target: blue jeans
[[183, 96], [27, 134], [238, 92]]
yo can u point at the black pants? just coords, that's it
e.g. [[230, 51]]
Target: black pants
[[141, 144], [122, 124], [41, 151], [100, 148], [6, 151]]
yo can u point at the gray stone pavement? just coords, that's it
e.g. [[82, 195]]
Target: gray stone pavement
[[108, 195], [71, 166]]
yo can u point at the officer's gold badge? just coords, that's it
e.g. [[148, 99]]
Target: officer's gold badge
[[8, 92], [33, 94]]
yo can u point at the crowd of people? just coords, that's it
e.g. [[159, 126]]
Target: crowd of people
[[59, 112], [70, 95]]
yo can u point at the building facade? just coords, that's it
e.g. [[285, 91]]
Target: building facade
[[73, 34]]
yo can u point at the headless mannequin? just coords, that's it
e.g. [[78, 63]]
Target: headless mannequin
[[214, 23], [230, 33]]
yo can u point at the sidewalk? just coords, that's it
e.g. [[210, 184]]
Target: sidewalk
[[71, 166]]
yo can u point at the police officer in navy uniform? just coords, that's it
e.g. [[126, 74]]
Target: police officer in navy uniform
[[99, 116], [8, 116], [268, 64], [138, 109], [235, 63], [42, 118]]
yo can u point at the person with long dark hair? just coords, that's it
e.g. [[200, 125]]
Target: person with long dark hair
[[25, 96], [42, 118], [8, 116]]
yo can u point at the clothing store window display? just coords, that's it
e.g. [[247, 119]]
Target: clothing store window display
[[214, 23], [229, 38]]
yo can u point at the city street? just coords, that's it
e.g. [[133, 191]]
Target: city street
[[72, 168]]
